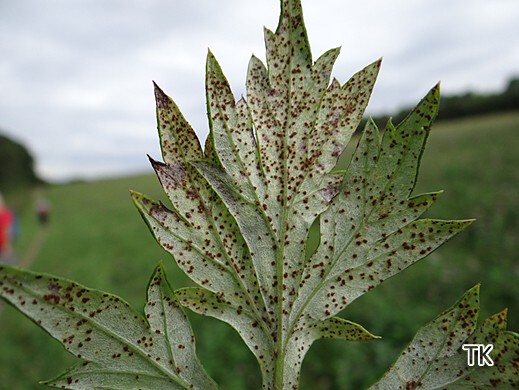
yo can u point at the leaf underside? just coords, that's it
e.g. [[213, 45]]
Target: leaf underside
[[435, 358], [240, 212], [241, 208], [119, 348]]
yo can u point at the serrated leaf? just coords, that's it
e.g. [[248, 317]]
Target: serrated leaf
[[368, 232], [339, 328], [266, 175], [505, 356], [435, 358], [241, 318], [119, 348], [238, 223]]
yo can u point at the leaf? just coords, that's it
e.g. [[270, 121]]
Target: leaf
[[238, 224], [435, 358], [119, 349], [243, 208]]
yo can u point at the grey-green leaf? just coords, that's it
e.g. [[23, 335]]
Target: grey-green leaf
[[238, 224], [339, 328], [435, 358], [370, 230], [224, 307], [120, 349], [266, 175]]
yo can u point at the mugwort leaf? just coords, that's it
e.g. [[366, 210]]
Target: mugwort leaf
[[436, 359], [238, 223], [242, 209], [118, 348]]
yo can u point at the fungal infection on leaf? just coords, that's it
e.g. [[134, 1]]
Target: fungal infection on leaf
[[238, 222]]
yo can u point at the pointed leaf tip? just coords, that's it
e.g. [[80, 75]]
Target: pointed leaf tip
[[155, 163], [435, 358], [162, 100], [107, 333]]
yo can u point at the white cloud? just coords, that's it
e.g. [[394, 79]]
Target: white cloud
[[75, 77]]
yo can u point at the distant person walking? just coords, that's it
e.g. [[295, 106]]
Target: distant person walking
[[6, 221], [42, 210]]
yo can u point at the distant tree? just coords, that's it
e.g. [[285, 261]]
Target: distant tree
[[16, 166], [513, 87], [466, 104], [511, 94]]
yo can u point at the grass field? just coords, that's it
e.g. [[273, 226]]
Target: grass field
[[97, 238]]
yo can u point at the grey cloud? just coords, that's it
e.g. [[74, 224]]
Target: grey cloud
[[75, 77]]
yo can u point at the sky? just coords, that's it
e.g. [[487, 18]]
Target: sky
[[76, 76]]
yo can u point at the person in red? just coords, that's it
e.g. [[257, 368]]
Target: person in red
[[6, 220]]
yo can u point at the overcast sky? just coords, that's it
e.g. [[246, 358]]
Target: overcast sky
[[76, 75]]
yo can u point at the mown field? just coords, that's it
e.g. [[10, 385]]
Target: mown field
[[97, 238]]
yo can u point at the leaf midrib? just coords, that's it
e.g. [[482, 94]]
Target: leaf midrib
[[365, 219], [122, 340], [264, 326], [441, 347]]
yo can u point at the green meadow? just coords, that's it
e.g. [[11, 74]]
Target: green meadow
[[96, 237]]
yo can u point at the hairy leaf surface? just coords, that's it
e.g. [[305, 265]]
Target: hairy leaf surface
[[119, 348]]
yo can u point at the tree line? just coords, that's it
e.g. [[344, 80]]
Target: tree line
[[17, 163], [16, 166], [467, 104]]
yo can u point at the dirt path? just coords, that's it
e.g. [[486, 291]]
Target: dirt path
[[34, 248], [31, 253]]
